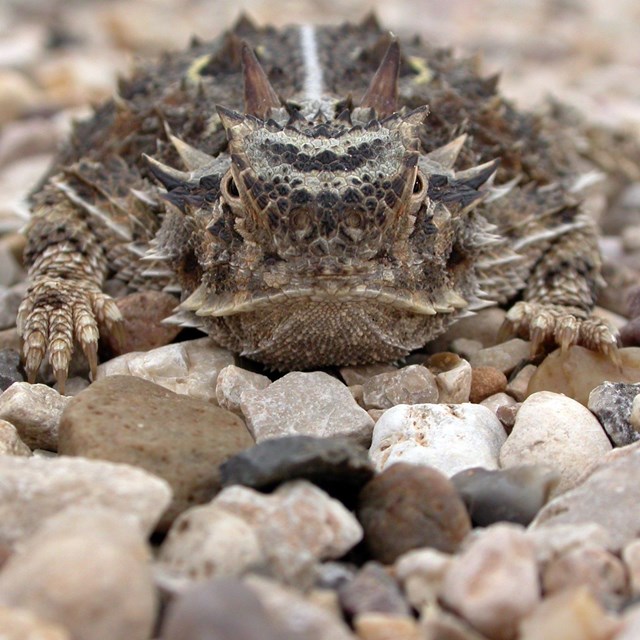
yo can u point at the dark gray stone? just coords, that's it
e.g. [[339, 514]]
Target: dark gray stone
[[10, 368], [611, 403], [337, 465], [506, 495]]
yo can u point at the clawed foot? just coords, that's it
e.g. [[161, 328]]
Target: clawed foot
[[57, 313], [546, 325]]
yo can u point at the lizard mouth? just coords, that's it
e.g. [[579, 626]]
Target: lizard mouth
[[204, 303]]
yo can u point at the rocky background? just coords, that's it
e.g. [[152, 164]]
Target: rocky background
[[185, 496]]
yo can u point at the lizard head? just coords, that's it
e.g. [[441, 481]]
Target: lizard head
[[331, 228]]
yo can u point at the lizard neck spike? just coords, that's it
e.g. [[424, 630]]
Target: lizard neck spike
[[382, 94], [259, 96], [191, 157], [168, 176], [447, 155]]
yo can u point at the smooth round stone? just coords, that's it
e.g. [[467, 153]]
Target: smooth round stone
[[450, 438], [337, 465], [181, 439], [414, 384], [612, 404], [407, 507], [485, 382], [10, 368], [22, 624], [556, 431], [510, 495]]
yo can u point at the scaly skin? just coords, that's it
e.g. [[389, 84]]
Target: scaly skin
[[304, 228]]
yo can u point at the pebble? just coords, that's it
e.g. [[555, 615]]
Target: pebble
[[608, 495], [234, 383], [18, 94], [189, 368], [88, 571], [630, 625], [450, 438], [485, 382], [181, 439], [9, 339], [505, 356], [414, 384], [36, 488], [507, 415], [407, 507], [310, 622], [634, 416], [577, 371], [143, 312], [10, 271], [306, 404], [383, 626], [453, 377], [372, 590], [465, 348], [631, 559], [209, 542], [10, 443], [518, 385], [497, 401], [10, 299], [22, 624], [21, 139], [493, 582], [512, 495], [35, 411], [553, 430], [601, 572], [421, 573], [220, 609], [612, 402], [360, 374], [337, 465], [297, 526], [10, 369], [482, 327], [438, 624], [569, 615]]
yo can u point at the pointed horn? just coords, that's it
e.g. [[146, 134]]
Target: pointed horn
[[370, 22], [447, 155], [244, 25], [168, 176], [382, 94], [193, 158], [259, 96], [477, 176]]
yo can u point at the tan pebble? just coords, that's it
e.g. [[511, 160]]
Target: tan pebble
[[453, 377], [22, 624], [518, 385], [486, 381], [380, 626], [17, 95]]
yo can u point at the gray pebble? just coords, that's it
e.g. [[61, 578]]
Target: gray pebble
[[10, 369], [611, 402]]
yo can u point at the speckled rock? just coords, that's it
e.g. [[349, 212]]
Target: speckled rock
[[493, 583], [414, 384], [220, 609], [10, 369], [612, 402], [598, 498], [421, 573], [578, 371], [407, 507], [486, 381], [568, 615], [512, 495], [297, 526], [450, 438], [558, 432], [505, 356], [22, 624], [35, 411], [453, 377], [313, 404], [209, 542], [87, 570], [183, 440], [234, 383], [337, 465], [10, 443], [33, 489], [372, 590], [189, 367]]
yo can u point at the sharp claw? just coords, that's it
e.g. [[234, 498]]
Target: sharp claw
[[91, 353], [506, 331], [61, 378], [537, 338]]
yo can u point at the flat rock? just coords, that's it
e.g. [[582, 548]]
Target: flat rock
[[297, 526], [35, 411], [10, 443], [556, 431], [234, 383], [407, 507], [337, 465], [414, 384], [33, 489], [607, 495], [10, 369], [181, 439], [505, 356], [577, 371], [88, 571], [485, 382], [493, 583], [512, 495], [314, 404], [453, 377], [189, 368], [612, 404], [22, 624], [450, 438]]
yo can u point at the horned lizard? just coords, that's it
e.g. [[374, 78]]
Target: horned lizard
[[318, 196]]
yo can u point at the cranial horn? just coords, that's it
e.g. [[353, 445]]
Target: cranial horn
[[382, 94], [259, 96], [193, 158], [168, 176]]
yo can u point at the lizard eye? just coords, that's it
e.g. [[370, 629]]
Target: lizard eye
[[418, 186], [230, 188]]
